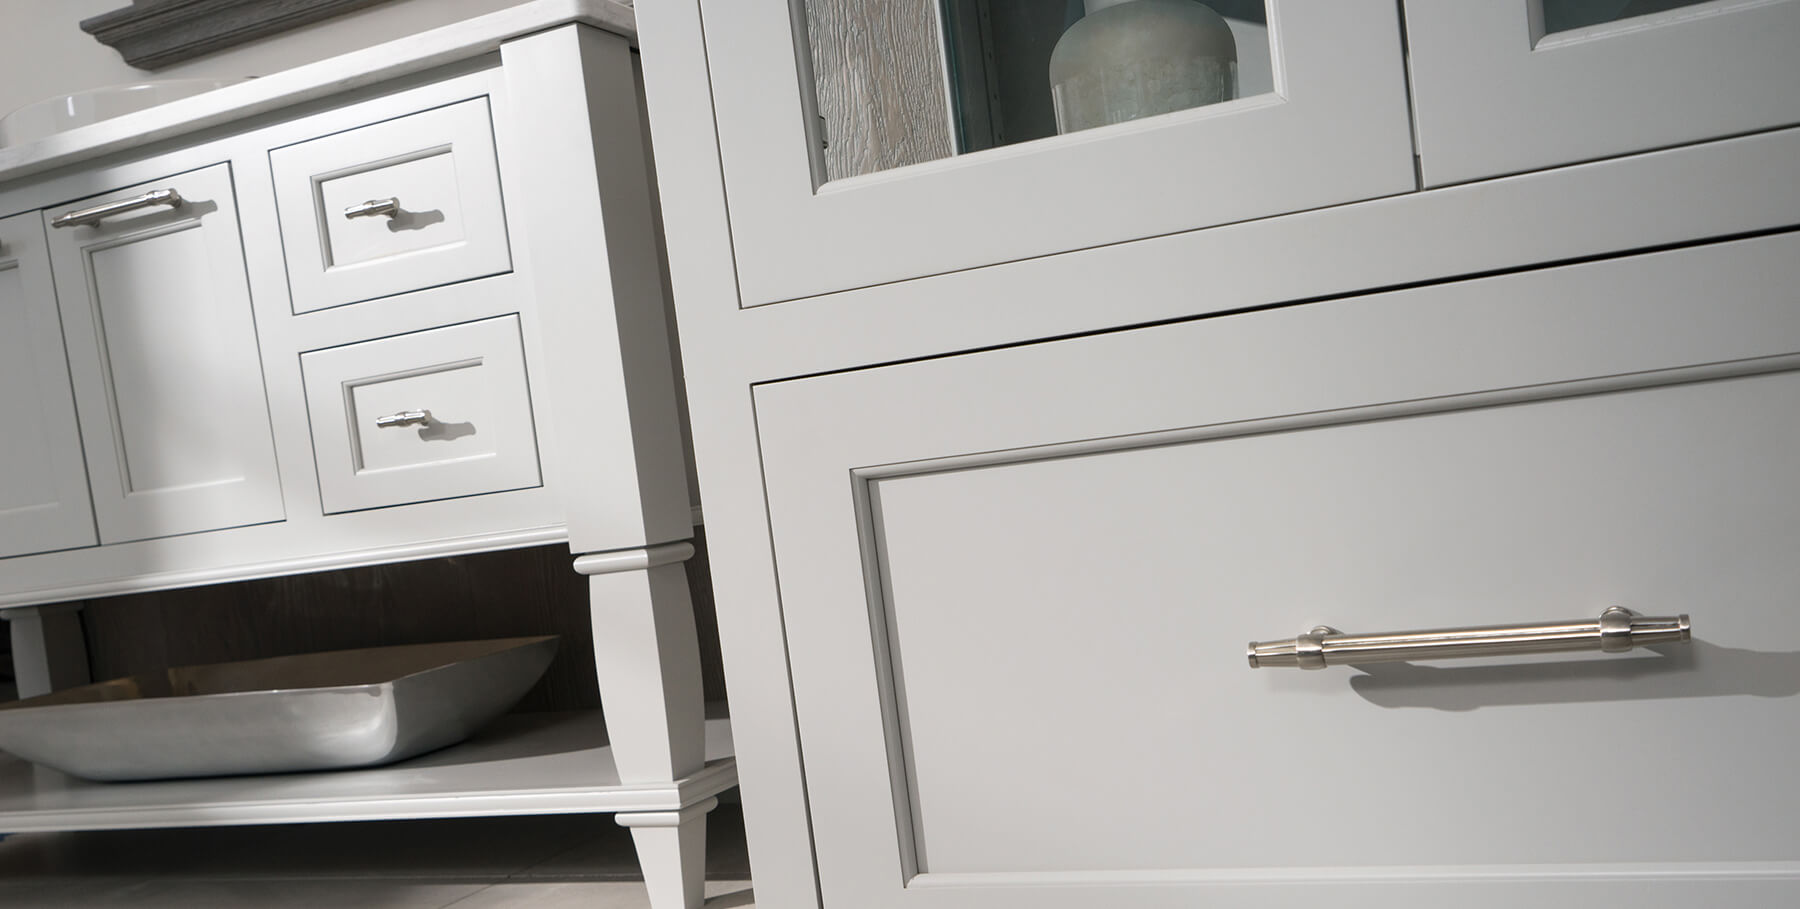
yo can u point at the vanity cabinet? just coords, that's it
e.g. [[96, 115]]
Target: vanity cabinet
[[398, 304], [43, 489], [990, 535], [162, 348]]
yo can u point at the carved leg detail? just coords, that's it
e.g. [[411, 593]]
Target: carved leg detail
[[671, 847]]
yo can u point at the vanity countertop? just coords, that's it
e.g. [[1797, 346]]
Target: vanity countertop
[[416, 53]]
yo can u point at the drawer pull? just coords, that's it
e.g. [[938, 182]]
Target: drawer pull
[[1618, 629], [404, 418], [84, 216], [388, 207]]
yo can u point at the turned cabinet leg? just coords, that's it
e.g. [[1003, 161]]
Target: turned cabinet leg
[[49, 650], [647, 658], [671, 847]]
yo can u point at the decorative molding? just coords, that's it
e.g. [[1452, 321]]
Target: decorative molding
[[151, 34]]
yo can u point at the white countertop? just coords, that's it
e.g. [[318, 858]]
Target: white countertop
[[416, 53]]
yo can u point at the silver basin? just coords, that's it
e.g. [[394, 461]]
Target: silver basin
[[346, 708]]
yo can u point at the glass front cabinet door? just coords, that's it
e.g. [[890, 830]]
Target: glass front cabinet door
[[1506, 87], [871, 141]]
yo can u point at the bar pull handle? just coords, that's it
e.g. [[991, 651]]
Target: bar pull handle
[[404, 418], [1616, 630], [374, 208], [98, 213]]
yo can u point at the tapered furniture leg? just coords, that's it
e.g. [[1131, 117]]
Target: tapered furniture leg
[[647, 658], [49, 649], [671, 847]]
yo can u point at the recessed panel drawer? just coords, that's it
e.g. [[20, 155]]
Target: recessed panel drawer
[[429, 415], [395, 206]]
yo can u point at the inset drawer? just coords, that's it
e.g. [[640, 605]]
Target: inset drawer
[[395, 206], [434, 414]]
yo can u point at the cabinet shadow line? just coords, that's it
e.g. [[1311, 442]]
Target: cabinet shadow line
[[1693, 670]]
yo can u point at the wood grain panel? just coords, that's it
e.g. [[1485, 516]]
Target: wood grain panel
[[488, 595], [878, 70]]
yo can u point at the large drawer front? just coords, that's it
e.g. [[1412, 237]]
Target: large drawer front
[[1017, 587], [395, 206], [429, 415]]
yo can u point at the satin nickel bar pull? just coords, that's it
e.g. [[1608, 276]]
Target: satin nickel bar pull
[[404, 418], [1617, 630], [98, 213], [373, 208]]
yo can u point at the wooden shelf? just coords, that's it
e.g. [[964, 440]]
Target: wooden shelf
[[538, 763]]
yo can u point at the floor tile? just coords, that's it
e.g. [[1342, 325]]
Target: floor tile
[[596, 895], [99, 893]]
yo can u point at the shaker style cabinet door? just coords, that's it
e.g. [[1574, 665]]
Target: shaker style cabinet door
[[43, 489], [1018, 584], [162, 348], [1505, 87], [865, 143]]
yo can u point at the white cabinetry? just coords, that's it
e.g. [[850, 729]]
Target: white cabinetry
[[43, 489], [271, 376], [990, 533], [1495, 93], [162, 347], [1017, 633]]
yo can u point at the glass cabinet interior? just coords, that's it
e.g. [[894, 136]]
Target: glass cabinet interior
[[900, 82]]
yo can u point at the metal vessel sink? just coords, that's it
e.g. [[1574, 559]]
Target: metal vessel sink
[[346, 708]]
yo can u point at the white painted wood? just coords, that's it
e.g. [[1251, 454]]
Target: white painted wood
[[610, 401], [43, 489], [545, 763], [468, 378], [360, 69], [1493, 95], [648, 662], [162, 349], [671, 847], [1044, 566], [1340, 86], [49, 649], [704, 281], [439, 164]]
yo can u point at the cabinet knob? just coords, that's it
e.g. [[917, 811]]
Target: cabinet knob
[[388, 207], [404, 418], [1618, 629]]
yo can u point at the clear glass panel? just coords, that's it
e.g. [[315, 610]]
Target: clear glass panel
[[1563, 15], [900, 82]]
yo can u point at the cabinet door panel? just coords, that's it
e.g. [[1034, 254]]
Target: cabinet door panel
[[1017, 587], [43, 489], [1332, 128], [1494, 94], [163, 351]]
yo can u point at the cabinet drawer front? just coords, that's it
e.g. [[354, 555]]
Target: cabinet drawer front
[[1017, 587], [430, 415], [43, 489], [1495, 94], [444, 222], [163, 353]]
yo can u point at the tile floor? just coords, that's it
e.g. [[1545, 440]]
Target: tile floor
[[551, 862]]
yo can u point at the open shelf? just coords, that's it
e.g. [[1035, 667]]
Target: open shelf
[[534, 763]]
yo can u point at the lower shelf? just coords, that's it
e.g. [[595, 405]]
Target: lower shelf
[[537, 763]]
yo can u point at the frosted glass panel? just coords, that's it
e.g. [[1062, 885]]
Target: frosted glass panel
[[901, 82], [1562, 15]]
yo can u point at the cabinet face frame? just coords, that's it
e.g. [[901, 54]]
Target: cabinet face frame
[[1334, 130], [202, 382], [1493, 95], [59, 514], [827, 440]]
